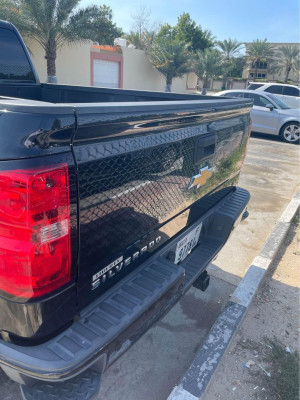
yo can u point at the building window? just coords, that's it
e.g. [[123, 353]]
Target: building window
[[260, 76], [260, 65]]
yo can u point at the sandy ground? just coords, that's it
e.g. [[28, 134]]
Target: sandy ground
[[274, 313]]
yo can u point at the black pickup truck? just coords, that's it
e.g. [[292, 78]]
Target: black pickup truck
[[112, 204]]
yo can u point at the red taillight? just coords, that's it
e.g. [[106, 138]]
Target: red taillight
[[34, 231]]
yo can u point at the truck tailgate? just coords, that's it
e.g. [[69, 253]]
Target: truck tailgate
[[141, 170]]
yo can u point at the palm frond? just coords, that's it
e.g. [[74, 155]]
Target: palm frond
[[287, 59], [229, 48], [260, 50], [207, 63], [170, 57]]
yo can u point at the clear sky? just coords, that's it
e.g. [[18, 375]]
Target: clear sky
[[276, 20]]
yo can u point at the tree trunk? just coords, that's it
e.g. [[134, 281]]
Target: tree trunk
[[255, 73], [224, 81], [287, 72], [205, 85], [51, 70], [168, 87], [50, 56]]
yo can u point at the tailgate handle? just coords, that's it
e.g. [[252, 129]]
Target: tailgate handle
[[205, 147]]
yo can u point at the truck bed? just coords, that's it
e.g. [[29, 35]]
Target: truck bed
[[54, 93]]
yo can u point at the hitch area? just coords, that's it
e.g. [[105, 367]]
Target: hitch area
[[202, 282], [82, 387], [245, 214]]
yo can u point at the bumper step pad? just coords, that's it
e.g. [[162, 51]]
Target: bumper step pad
[[82, 387], [75, 349]]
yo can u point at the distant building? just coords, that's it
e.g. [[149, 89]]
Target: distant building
[[118, 66], [264, 72]]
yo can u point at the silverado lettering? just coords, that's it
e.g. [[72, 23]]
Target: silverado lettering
[[118, 264]]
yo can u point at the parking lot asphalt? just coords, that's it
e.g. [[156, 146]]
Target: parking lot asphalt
[[152, 367]]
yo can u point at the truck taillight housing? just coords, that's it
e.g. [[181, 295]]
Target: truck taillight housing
[[34, 231]]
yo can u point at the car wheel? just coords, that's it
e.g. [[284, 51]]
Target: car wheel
[[290, 132]]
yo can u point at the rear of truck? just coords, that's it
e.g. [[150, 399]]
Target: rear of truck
[[109, 211]]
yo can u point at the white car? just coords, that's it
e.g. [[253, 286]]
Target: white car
[[270, 115], [290, 94]]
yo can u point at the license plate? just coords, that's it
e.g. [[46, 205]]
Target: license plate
[[186, 245]]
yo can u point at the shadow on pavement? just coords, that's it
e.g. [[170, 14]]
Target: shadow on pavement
[[266, 136]]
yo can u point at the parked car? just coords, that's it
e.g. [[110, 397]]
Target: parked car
[[288, 93], [270, 114], [112, 204]]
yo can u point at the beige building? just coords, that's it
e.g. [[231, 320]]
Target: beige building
[[107, 66], [264, 72]]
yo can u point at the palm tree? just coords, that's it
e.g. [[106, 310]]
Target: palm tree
[[208, 38], [53, 23], [133, 37], [229, 49], [142, 42], [171, 58], [287, 59], [259, 51], [207, 64]]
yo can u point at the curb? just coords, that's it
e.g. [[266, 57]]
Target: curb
[[195, 380]]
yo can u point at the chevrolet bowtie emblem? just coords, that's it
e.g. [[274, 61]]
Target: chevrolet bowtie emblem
[[201, 178]]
